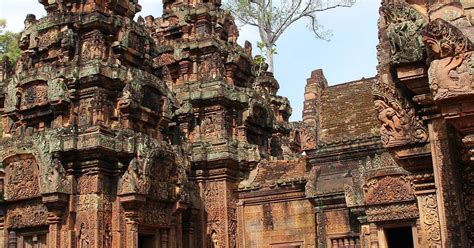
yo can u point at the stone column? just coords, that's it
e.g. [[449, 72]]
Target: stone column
[[57, 206], [164, 238], [54, 234], [240, 224], [374, 236], [219, 210], [131, 229], [429, 224], [12, 239], [320, 227], [3, 233], [132, 204], [447, 190]]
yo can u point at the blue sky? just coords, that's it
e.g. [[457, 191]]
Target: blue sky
[[350, 55]]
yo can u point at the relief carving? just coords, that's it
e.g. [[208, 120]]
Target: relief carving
[[400, 124], [308, 138], [452, 76], [445, 40], [404, 24], [26, 215], [93, 46], [451, 71], [58, 91], [211, 67], [34, 95], [138, 178], [388, 190], [83, 240], [155, 214], [385, 181], [403, 211], [430, 219], [22, 177]]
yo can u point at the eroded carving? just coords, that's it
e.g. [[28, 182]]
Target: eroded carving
[[404, 24]]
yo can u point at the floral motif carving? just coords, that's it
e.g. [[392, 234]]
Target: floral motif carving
[[388, 189], [26, 215], [391, 212], [155, 214], [430, 219]]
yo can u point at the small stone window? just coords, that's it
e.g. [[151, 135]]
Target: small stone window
[[29, 239]]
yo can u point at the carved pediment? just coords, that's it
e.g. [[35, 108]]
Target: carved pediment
[[150, 172], [400, 124], [403, 26], [31, 169], [442, 39], [380, 184], [22, 178], [451, 73]]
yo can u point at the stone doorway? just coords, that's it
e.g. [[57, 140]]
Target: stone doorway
[[399, 237], [146, 241]]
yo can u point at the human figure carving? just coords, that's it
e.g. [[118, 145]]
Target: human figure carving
[[388, 116], [82, 238], [215, 239]]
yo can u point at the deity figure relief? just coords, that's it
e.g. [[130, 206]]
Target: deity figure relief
[[214, 240], [135, 179], [83, 238], [388, 116], [93, 47]]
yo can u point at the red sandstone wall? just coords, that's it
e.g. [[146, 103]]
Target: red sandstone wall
[[272, 224], [347, 112]]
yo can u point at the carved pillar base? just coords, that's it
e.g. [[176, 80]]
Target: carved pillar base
[[447, 195]]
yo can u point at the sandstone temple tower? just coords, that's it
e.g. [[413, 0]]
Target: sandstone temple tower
[[161, 132]]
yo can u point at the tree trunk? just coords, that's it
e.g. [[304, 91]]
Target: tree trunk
[[270, 59]]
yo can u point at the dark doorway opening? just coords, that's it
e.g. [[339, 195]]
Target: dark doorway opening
[[146, 241], [399, 237]]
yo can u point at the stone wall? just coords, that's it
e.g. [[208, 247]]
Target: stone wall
[[276, 223], [347, 111]]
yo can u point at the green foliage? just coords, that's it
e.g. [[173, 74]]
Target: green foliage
[[8, 42], [264, 52]]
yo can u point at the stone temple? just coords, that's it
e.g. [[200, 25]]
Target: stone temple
[[162, 132]]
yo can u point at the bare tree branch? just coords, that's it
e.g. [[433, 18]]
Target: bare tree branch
[[272, 19]]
